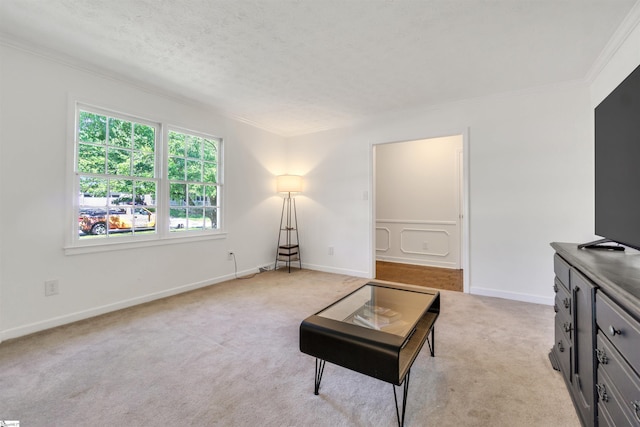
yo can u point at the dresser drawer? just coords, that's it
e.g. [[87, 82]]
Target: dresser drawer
[[564, 324], [620, 328], [562, 301], [561, 268], [563, 351], [604, 419], [625, 380], [623, 376], [620, 411]]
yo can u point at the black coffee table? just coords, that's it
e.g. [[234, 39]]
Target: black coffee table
[[377, 330]]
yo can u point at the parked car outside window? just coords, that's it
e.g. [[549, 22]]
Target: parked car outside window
[[94, 221]]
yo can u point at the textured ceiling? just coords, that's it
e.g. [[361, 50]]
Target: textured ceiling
[[298, 66]]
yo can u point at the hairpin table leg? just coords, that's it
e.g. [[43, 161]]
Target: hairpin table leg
[[432, 341], [319, 372], [404, 399]]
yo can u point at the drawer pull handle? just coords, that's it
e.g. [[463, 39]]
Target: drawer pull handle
[[636, 408], [560, 346], [555, 288], [613, 331], [567, 302], [555, 308], [602, 356], [567, 327], [602, 392]]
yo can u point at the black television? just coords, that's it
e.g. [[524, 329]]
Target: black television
[[617, 166]]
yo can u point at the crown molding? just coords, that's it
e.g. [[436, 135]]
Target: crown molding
[[628, 25]]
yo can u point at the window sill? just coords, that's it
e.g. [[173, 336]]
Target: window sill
[[134, 244]]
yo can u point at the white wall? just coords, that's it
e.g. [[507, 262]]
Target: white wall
[[531, 175], [33, 170], [417, 197], [334, 208]]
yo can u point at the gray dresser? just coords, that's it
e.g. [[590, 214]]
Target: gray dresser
[[597, 332]]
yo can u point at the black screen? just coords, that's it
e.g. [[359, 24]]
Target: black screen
[[617, 160]]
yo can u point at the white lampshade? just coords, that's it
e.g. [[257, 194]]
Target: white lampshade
[[289, 184]]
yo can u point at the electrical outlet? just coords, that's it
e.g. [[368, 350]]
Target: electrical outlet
[[230, 255], [51, 288], [330, 250], [425, 246]]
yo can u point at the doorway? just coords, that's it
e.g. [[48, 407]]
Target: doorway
[[420, 226]]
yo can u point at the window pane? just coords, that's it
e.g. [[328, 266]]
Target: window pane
[[143, 164], [92, 219], [92, 128], [119, 133], [143, 220], [176, 144], [145, 193], [194, 147], [194, 170], [177, 219], [93, 188], [121, 191], [91, 158], [196, 195], [144, 137], [211, 195], [210, 151], [211, 218], [176, 168], [178, 195], [209, 173], [195, 219], [119, 162]]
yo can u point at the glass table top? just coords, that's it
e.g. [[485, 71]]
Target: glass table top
[[374, 306]]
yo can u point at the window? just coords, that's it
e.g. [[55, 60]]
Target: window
[[193, 176], [119, 170]]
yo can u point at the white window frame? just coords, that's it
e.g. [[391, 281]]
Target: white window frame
[[163, 235], [165, 164]]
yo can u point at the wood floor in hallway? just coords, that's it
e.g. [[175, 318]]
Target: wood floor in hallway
[[432, 277]]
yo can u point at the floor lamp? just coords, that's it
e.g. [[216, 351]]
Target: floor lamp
[[288, 249]]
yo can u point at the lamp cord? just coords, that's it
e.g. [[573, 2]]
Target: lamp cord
[[235, 270]]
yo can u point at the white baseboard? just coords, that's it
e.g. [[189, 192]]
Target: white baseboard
[[96, 311], [516, 296], [327, 269]]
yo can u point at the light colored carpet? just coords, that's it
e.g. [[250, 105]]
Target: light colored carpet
[[228, 355]]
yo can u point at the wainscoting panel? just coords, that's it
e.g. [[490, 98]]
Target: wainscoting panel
[[429, 243], [383, 239]]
